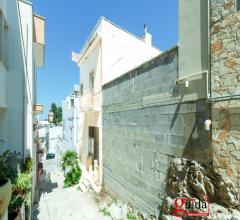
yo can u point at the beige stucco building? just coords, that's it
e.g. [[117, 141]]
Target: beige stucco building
[[109, 52]]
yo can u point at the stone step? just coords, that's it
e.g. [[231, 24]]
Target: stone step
[[86, 182], [97, 183], [82, 187], [96, 188]]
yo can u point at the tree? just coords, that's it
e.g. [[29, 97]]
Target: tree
[[60, 114], [57, 113]]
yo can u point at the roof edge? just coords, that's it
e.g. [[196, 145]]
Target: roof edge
[[93, 32], [142, 64]]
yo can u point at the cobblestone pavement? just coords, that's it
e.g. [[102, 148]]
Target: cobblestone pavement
[[57, 203]]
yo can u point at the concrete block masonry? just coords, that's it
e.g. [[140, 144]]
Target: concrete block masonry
[[148, 121], [139, 140]]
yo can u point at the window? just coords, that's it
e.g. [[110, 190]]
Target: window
[[3, 40], [91, 81], [72, 102], [238, 5], [81, 89]]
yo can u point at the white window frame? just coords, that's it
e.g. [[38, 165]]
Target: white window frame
[[4, 44], [91, 81]]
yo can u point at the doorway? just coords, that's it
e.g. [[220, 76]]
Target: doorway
[[93, 149]]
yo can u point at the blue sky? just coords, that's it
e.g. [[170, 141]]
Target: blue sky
[[69, 22]]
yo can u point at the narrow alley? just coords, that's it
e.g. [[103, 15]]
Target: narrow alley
[[120, 110], [61, 203]]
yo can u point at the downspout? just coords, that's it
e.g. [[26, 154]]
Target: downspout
[[101, 164], [24, 92], [101, 63], [209, 51]]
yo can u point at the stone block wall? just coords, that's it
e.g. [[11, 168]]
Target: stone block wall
[[226, 139], [225, 48], [225, 88], [145, 126]]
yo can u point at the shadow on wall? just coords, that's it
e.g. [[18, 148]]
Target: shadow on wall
[[198, 146], [197, 139]]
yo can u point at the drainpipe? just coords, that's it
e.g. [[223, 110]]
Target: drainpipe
[[209, 50], [100, 152], [224, 98], [26, 86], [24, 97]]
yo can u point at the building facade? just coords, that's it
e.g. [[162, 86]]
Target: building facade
[[171, 126], [55, 141], [71, 121], [22, 44], [108, 52], [43, 130], [19, 60]]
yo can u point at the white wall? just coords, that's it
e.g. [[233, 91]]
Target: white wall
[[55, 139], [13, 78], [26, 18], [16, 81], [3, 72], [92, 63], [122, 51], [109, 52], [112, 53], [71, 123], [3, 128]]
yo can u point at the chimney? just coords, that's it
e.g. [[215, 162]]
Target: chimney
[[147, 37]]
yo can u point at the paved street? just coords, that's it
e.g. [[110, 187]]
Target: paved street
[[57, 203]]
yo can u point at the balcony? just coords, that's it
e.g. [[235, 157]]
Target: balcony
[[39, 39], [38, 109], [90, 102]]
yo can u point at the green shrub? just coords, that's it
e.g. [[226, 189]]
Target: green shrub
[[16, 202], [73, 177], [27, 166], [23, 183], [132, 216], [21, 192], [105, 212], [70, 166]]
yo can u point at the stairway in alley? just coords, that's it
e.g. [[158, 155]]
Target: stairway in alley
[[58, 203]]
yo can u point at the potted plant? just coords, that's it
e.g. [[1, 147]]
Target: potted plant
[[21, 197], [14, 207], [5, 182]]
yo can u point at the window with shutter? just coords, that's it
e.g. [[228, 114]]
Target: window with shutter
[[3, 40]]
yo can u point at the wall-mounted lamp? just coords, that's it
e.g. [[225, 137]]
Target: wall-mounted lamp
[[181, 82], [207, 125]]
